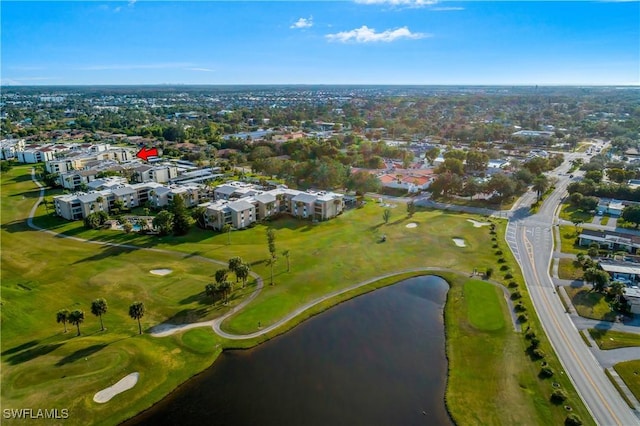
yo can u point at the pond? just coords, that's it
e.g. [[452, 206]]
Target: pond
[[378, 359]]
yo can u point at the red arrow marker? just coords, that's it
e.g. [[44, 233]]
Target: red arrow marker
[[145, 153]]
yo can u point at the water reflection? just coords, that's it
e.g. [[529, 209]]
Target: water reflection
[[378, 359]]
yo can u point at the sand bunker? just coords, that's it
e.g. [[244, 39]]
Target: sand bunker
[[459, 242], [161, 271], [412, 225], [477, 224], [126, 383]]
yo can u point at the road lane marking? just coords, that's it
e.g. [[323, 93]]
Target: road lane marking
[[552, 315]]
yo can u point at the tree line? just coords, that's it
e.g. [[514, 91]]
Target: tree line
[[98, 308]]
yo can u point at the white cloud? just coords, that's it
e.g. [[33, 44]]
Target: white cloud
[[447, 8], [406, 3], [303, 23], [199, 69], [365, 34], [132, 2]]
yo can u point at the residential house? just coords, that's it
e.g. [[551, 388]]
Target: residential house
[[611, 207], [625, 272], [612, 240], [632, 296]]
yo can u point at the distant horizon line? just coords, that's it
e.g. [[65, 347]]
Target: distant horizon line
[[632, 85]]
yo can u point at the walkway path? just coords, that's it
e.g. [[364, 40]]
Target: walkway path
[[162, 330]]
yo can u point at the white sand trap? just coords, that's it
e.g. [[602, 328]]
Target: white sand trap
[[126, 383], [412, 225], [161, 271], [459, 242], [477, 224]]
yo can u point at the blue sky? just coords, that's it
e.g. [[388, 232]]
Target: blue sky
[[325, 42]]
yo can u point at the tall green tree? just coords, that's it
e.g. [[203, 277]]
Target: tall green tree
[[386, 215], [502, 185], [632, 214], [76, 318], [601, 281], [411, 208], [182, 221], [272, 262], [163, 222], [432, 154], [617, 290], [363, 182], [271, 241], [451, 165], [225, 288], [221, 275], [99, 308], [286, 254], [446, 184], [242, 272], [211, 291], [540, 185], [62, 316], [136, 311], [476, 161], [227, 228], [198, 215], [234, 263]]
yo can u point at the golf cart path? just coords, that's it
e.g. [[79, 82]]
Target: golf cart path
[[162, 330]]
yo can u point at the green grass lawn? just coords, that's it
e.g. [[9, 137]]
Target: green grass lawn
[[42, 273], [568, 237], [484, 309], [609, 339], [629, 371], [571, 213], [485, 354], [569, 269], [590, 304]]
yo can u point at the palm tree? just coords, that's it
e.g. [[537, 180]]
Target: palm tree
[[617, 289], [242, 272], [540, 185], [286, 255], [76, 318], [411, 208], [225, 288], [211, 290], [234, 263], [227, 228], [271, 262], [136, 311], [45, 203], [99, 308], [221, 275], [386, 215], [62, 316]]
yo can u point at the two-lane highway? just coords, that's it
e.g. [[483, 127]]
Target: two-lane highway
[[531, 240]]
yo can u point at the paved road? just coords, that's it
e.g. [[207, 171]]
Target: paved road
[[530, 238]]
